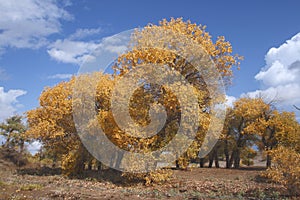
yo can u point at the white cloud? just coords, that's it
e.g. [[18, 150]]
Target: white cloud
[[8, 102], [117, 43], [60, 76], [27, 23], [230, 100], [83, 33], [72, 50], [281, 76], [282, 64], [116, 48], [69, 51], [76, 52], [34, 147], [284, 95]]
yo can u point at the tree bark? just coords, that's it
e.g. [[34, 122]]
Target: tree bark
[[54, 161], [21, 146], [99, 166], [226, 152], [237, 159], [211, 159], [201, 162], [216, 159], [269, 161], [90, 166], [112, 159], [177, 164], [7, 143], [232, 157], [119, 159]]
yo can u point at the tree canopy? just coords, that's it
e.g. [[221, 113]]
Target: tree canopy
[[174, 48]]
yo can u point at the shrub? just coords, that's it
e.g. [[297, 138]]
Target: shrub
[[154, 177], [285, 169]]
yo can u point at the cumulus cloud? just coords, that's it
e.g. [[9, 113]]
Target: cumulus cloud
[[60, 76], [230, 100], [71, 50], [27, 23], [83, 33], [34, 147], [281, 76], [8, 102]]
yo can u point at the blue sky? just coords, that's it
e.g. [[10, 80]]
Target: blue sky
[[43, 42]]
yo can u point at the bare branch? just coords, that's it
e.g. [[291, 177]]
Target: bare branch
[[296, 107]]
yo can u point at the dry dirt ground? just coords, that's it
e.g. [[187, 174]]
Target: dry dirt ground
[[196, 183]]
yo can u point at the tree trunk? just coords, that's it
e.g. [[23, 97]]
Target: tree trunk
[[119, 159], [201, 162], [90, 166], [54, 161], [227, 161], [177, 164], [7, 143], [211, 159], [99, 166], [226, 152], [216, 159], [232, 157], [269, 161], [22, 146], [237, 159], [112, 159], [79, 166]]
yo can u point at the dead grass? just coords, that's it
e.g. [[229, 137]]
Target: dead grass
[[30, 187], [195, 183]]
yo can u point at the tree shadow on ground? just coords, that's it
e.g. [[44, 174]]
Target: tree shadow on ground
[[105, 175], [253, 168], [40, 171], [110, 175]]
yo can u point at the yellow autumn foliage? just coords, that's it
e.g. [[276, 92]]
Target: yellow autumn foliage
[[286, 168], [52, 122]]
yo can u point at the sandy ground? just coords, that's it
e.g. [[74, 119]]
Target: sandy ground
[[195, 183]]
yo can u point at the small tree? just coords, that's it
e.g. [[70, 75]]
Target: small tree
[[13, 131], [236, 134]]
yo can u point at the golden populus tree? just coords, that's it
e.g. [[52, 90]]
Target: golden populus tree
[[236, 134], [171, 44], [285, 155], [52, 122], [274, 128], [253, 121]]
